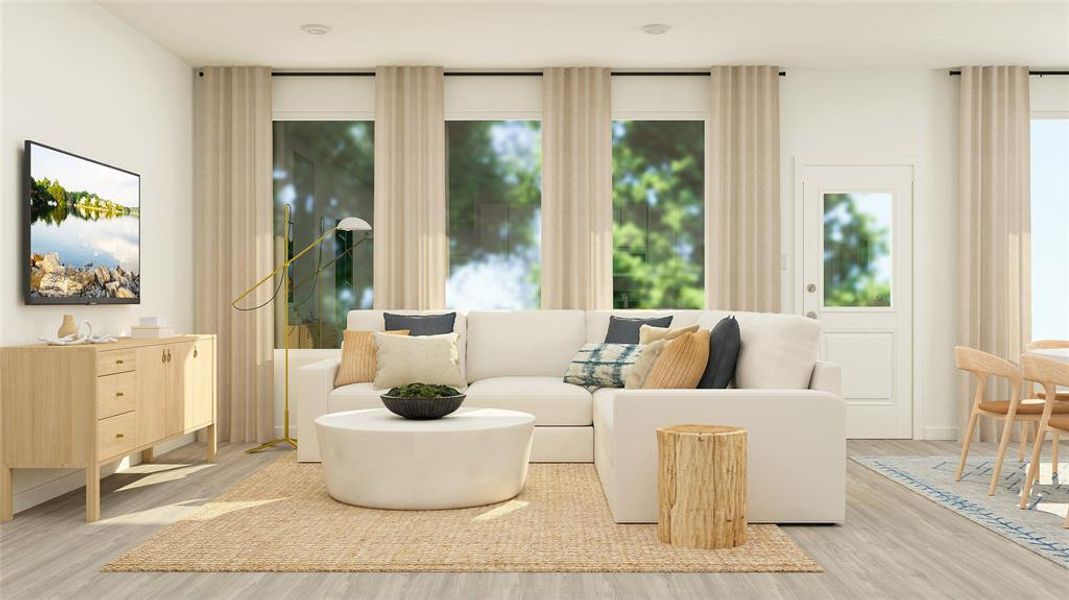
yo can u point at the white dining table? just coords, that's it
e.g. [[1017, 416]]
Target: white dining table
[[1058, 353]]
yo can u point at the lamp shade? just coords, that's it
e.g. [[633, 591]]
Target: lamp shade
[[353, 224]]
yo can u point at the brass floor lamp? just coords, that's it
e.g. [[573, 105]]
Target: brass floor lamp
[[347, 224]]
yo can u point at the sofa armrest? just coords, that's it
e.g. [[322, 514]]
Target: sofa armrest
[[827, 377], [314, 384]]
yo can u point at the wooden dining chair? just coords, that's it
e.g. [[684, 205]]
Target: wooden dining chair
[[1051, 373], [983, 366]]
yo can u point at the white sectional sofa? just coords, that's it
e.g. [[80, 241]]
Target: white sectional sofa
[[786, 398]]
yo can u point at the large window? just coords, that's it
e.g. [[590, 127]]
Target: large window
[[495, 194], [1050, 228], [324, 170], [658, 214]]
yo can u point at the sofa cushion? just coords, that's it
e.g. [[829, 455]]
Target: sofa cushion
[[431, 359], [597, 321], [624, 330], [724, 345], [421, 324], [374, 320], [549, 399], [355, 396], [523, 342], [778, 350], [681, 364], [601, 365]]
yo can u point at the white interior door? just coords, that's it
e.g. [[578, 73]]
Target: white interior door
[[856, 279]]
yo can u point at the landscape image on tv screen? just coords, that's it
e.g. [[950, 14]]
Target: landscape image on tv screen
[[84, 230]]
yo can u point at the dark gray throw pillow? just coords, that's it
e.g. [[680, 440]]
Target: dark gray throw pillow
[[623, 330], [725, 343], [421, 324]]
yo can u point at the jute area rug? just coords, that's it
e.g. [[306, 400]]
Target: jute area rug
[[282, 519]]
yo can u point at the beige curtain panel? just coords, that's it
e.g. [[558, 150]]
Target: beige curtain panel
[[576, 188], [994, 222], [411, 249], [232, 245], [742, 210]]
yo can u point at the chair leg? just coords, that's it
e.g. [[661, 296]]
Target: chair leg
[[966, 442], [1007, 433], [1023, 435], [1033, 467], [1054, 454]]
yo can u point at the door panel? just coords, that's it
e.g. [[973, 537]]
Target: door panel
[[202, 400], [179, 413], [857, 271], [153, 390]]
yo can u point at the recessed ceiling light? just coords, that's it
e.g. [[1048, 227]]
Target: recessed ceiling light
[[315, 29], [656, 28]]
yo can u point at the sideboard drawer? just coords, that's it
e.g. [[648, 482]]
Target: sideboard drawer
[[116, 394], [115, 361], [116, 435]]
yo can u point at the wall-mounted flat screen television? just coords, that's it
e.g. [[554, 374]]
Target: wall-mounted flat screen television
[[83, 230]]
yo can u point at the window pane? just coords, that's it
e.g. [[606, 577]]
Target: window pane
[[658, 214], [857, 249], [495, 195], [1050, 228], [325, 171]]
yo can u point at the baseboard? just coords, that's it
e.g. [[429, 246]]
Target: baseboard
[[70, 480], [940, 433]]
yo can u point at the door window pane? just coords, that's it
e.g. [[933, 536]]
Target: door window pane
[[324, 170], [857, 248], [1050, 228], [495, 196], [658, 214]]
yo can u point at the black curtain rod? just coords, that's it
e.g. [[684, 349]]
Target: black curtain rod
[[493, 73], [1036, 73]]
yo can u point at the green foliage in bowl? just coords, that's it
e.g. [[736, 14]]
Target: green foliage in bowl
[[423, 390]]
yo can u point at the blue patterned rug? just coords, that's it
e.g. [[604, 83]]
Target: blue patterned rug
[[1039, 528]]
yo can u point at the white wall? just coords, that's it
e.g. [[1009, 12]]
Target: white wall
[[909, 114], [99, 88]]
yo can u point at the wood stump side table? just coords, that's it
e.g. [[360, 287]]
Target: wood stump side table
[[701, 485]]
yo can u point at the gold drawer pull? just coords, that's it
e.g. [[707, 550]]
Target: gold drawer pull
[[118, 361], [118, 435], [119, 394], [194, 352]]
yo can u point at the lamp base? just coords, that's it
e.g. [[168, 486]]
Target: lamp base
[[283, 441]]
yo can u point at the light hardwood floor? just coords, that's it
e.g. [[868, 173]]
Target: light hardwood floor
[[895, 544]]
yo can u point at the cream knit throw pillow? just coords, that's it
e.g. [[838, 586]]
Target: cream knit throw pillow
[[430, 359], [358, 364]]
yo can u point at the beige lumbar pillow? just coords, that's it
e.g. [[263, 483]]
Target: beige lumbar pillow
[[636, 375], [647, 334], [358, 357], [432, 359], [681, 363]]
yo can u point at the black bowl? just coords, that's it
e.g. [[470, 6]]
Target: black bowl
[[422, 408]]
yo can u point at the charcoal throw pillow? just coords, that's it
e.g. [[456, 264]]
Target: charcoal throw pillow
[[725, 342], [624, 330], [601, 365], [421, 324]]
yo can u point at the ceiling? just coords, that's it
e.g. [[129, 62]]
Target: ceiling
[[532, 34]]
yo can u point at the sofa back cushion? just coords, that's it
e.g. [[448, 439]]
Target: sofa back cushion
[[778, 350], [597, 321], [523, 342], [373, 320]]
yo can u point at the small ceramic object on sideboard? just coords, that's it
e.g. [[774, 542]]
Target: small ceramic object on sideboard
[[68, 327]]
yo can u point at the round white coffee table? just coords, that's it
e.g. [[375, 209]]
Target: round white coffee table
[[472, 457]]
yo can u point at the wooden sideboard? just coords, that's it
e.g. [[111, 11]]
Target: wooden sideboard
[[86, 406]]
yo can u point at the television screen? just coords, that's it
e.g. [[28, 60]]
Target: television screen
[[83, 233]]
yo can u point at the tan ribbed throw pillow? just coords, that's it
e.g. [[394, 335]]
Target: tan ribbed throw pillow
[[358, 357], [681, 363], [647, 334]]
